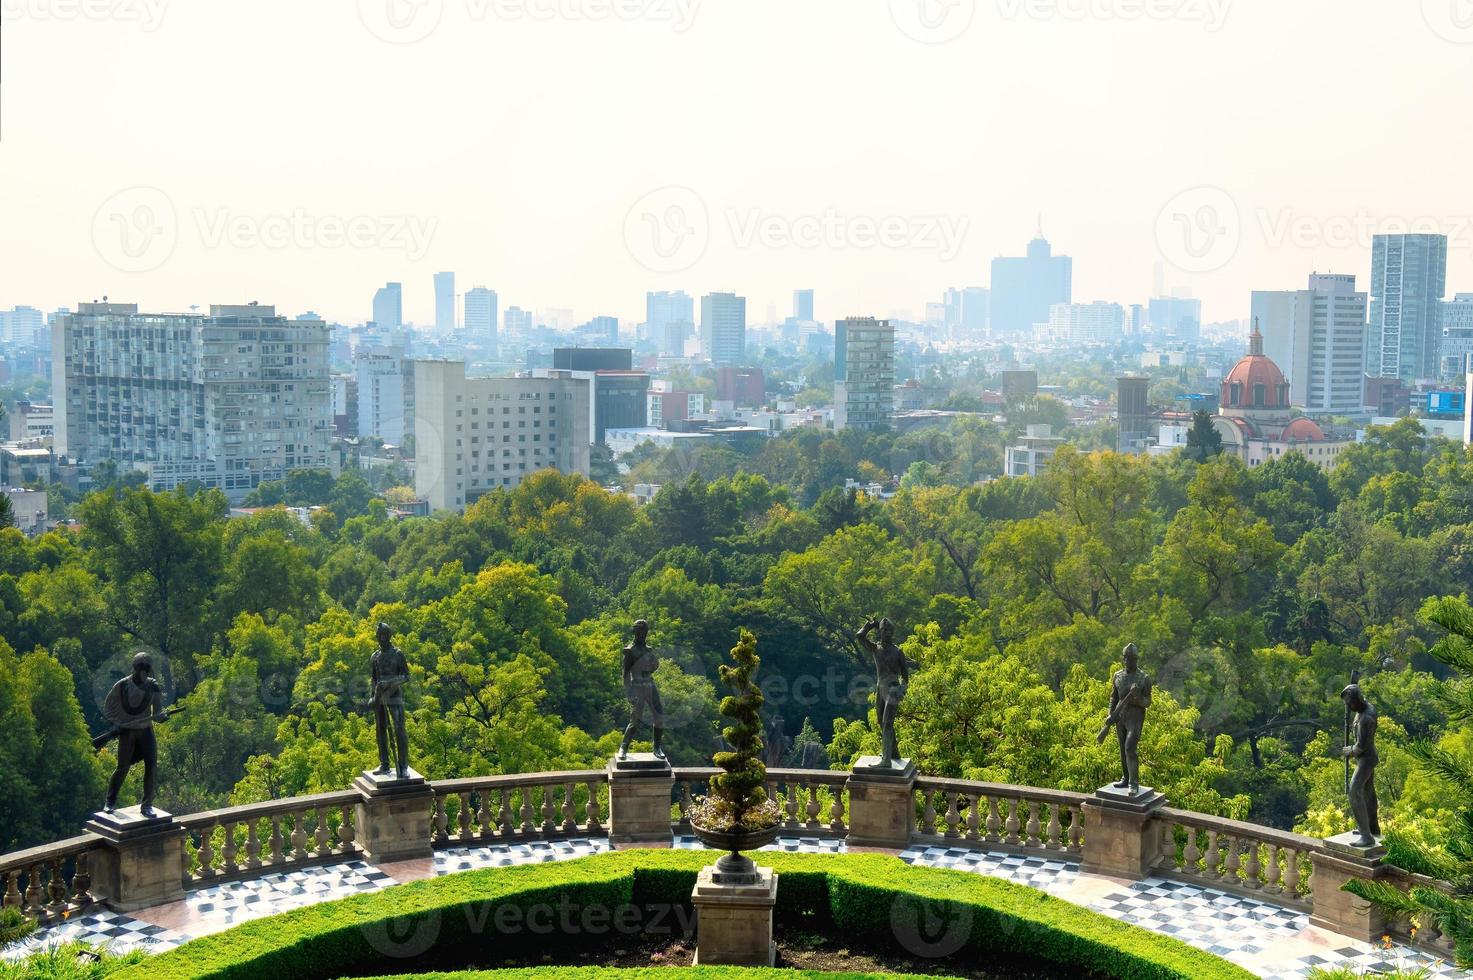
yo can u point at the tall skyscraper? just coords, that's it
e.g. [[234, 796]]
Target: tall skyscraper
[[1175, 318], [864, 392], [1023, 289], [517, 321], [669, 318], [1317, 337], [475, 435], [1408, 281], [226, 400], [388, 306], [1457, 336], [380, 372], [803, 304], [444, 302], [480, 315], [724, 328]]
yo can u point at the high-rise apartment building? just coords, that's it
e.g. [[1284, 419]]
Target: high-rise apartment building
[[1317, 337], [1087, 323], [382, 393], [475, 435], [444, 302], [517, 321], [1457, 336], [1408, 281], [388, 306], [226, 400], [864, 392], [1175, 318], [1023, 289], [724, 328], [480, 316], [23, 325]]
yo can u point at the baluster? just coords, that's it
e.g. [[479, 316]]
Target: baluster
[[1232, 863], [347, 831], [790, 804], [253, 846], [1291, 873], [34, 906], [928, 817], [228, 849], [503, 815], [1012, 822], [207, 852], [277, 855], [994, 823], [570, 808], [483, 814], [1272, 886], [953, 818], [836, 809], [549, 812], [1032, 828], [57, 887], [1214, 856], [464, 820], [1190, 854], [974, 818], [593, 823], [1251, 866], [529, 812], [82, 883], [299, 836], [813, 807], [1076, 829], [12, 890], [1054, 841], [323, 837]]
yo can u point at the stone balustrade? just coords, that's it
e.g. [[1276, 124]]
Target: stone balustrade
[[228, 844], [519, 807], [51, 882], [1297, 872]]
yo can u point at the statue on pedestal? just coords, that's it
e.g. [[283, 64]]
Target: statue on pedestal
[[892, 674], [390, 674], [133, 705], [1130, 696], [640, 662], [1361, 748]]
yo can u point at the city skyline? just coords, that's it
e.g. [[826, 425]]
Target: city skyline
[[1226, 146]]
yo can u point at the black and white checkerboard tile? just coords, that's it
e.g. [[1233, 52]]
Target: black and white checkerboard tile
[[1227, 925], [793, 845], [240, 901], [1045, 874], [1369, 961], [456, 859], [101, 929]]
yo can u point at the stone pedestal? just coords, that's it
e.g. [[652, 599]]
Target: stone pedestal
[[1339, 911], [734, 922], [141, 861], [1120, 838], [640, 794], [392, 820], [881, 803]]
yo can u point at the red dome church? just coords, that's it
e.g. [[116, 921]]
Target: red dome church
[[1255, 419]]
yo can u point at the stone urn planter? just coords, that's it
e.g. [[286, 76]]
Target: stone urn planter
[[734, 868]]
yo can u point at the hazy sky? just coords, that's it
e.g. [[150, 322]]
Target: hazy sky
[[575, 153]]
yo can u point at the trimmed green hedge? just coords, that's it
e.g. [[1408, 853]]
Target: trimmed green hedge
[[661, 973], [868, 895]]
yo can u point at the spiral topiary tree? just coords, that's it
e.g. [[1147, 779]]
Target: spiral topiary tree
[[740, 788]]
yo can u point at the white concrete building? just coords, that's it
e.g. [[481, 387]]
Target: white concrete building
[[227, 400], [29, 508], [475, 435], [382, 393], [864, 373], [1317, 337], [1031, 455], [1087, 323]]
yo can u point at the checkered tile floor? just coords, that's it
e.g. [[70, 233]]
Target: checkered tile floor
[[1238, 929], [1045, 874]]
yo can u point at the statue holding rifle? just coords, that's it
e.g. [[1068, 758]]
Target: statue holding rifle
[[1130, 696], [390, 674]]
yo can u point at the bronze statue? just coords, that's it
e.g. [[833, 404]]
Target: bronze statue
[[892, 675], [1130, 696], [390, 674], [1363, 804], [133, 705], [640, 662]]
